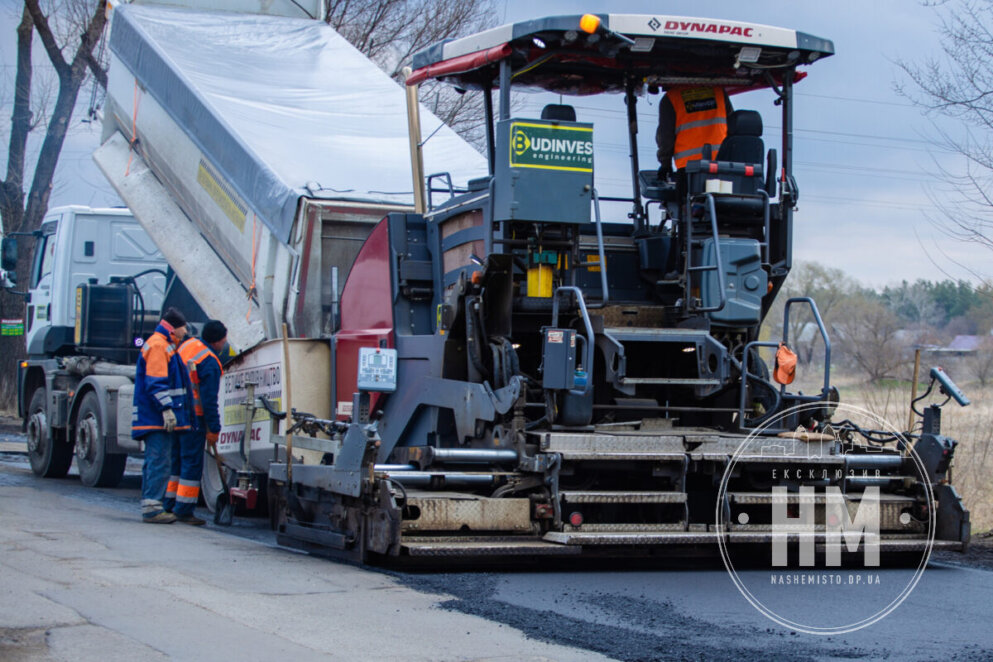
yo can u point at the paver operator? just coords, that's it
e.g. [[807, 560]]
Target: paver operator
[[690, 118]]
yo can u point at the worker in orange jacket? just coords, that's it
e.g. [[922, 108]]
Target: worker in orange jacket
[[690, 117], [200, 356], [162, 409]]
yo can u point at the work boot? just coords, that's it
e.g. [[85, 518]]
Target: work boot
[[160, 518], [192, 520]]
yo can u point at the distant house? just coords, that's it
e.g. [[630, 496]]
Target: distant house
[[962, 346]]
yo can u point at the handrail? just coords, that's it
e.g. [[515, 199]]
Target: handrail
[[766, 225], [690, 269], [430, 187], [589, 341], [821, 328], [745, 374], [601, 253], [780, 394]]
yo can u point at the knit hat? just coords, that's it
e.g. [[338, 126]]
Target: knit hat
[[213, 331], [174, 318]]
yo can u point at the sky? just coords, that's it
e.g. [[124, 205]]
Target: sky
[[865, 157]]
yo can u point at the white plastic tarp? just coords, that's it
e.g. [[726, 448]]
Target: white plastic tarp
[[283, 108]]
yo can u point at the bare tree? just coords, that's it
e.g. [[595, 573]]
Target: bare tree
[[389, 32], [70, 44], [959, 84], [917, 306], [828, 287], [869, 337], [980, 365]]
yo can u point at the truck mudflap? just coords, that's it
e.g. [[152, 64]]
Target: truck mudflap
[[472, 503]]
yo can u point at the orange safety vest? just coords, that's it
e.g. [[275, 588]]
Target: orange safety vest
[[701, 119], [194, 352]]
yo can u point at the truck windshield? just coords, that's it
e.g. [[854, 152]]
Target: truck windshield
[[44, 264]]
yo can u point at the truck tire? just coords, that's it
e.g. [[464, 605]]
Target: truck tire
[[97, 467], [48, 452]]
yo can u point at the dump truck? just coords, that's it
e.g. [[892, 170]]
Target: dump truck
[[99, 282], [259, 152], [499, 370], [93, 290]]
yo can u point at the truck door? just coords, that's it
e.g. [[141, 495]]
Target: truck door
[[39, 306]]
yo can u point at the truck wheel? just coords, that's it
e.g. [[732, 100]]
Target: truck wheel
[[97, 467], [50, 456]]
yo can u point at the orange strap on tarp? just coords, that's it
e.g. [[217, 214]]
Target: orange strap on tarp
[[785, 370], [255, 253]]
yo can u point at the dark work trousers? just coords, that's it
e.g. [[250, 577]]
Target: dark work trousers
[[187, 468]]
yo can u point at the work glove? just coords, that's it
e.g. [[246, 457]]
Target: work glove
[[168, 420], [212, 439]]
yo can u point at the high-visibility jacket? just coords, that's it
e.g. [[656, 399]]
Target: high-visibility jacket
[[205, 372], [701, 119], [160, 383]]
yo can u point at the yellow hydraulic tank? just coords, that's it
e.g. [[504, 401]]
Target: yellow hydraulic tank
[[540, 281]]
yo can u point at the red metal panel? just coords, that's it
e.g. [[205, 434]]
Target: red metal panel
[[366, 312], [460, 64]]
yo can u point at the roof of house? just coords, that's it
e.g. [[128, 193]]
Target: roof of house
[[965, 343]]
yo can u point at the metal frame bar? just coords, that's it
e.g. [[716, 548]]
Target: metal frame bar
[[690, 269], [820, 327]]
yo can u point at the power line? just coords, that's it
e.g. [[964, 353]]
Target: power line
[[846, 201], [834, 97]]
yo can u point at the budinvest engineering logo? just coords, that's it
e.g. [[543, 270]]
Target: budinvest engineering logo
[[551, 147], [805, 521]]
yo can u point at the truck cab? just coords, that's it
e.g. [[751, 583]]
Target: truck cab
[[96, 281], [76, 245]]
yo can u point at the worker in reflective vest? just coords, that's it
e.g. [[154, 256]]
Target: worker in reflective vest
[[200, 356], [162, 410], [690, 118]]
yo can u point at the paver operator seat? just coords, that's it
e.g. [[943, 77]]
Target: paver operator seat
[[744, 140]]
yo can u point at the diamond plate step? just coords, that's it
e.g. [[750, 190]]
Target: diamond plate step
[[592, 496]]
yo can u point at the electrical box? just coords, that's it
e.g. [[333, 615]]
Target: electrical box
[[558, 354], [544, 171], [746, 282], [377, 369]]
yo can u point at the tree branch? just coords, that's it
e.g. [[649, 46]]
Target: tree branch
[[47, 38], [58, 126], [12, 189], [97, 71]]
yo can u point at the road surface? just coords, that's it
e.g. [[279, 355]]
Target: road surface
[[82, 578]]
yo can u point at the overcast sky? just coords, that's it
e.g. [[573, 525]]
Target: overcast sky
[[864, 156]]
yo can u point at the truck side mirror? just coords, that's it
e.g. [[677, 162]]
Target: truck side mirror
[[8, 254]]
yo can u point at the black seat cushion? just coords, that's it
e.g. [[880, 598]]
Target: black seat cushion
[[744, 140]]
